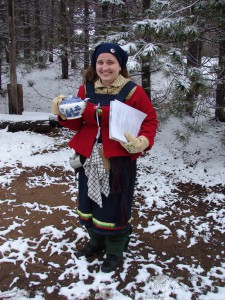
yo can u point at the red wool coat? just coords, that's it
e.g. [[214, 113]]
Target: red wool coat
[[86, 127]]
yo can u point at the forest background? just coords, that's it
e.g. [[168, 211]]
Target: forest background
[[185, 40], [176, 52]]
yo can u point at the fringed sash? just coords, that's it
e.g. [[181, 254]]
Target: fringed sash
[[120, 176]]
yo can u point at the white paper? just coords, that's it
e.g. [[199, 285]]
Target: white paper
[[124, 118]]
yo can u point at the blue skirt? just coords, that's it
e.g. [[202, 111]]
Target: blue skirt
[[115, 215]]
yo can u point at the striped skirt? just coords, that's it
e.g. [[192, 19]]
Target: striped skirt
[[115, 215]]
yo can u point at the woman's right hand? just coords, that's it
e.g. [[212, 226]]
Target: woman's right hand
[[55, 106]]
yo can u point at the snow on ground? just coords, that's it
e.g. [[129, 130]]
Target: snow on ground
[[201, 161]]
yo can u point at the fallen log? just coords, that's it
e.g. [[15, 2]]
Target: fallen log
[[41, 126]]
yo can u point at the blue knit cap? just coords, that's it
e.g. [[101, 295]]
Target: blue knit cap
[[113, 49]]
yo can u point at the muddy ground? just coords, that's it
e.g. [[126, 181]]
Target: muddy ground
[[35, 258]]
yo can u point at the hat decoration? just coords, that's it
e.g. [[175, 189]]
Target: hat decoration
[[114, 49]]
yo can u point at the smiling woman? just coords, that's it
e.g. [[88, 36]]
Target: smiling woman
[[107, 68], [107, 178]]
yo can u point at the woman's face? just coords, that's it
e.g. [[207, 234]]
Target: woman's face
[[107, 68]]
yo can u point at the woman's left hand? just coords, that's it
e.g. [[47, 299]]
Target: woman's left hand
[[135, 145]]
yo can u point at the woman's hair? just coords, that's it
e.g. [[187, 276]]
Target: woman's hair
[[91, 75]]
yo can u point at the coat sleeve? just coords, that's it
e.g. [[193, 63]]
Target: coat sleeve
[[141, 101]]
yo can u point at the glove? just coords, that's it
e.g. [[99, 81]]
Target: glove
[[55, 106], [135, 145]]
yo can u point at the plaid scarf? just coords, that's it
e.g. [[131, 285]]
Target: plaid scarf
[[98, 178]]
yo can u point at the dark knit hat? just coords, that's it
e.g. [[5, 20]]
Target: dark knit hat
[[113, 49]]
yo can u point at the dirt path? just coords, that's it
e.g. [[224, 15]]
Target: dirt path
[[39, 233]]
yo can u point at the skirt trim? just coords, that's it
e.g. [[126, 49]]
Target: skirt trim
[[84, 216], [100, 224]]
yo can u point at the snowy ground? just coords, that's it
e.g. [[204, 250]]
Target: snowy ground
[[177, 247]]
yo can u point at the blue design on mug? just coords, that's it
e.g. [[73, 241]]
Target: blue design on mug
[[72, 107], [71, 112]]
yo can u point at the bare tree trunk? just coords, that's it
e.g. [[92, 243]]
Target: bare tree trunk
[[101, 23], [38, 35], [27, 30], [193, 60], [0, 73], [64, 40], [220, 90], [13, 100], [86, 34], [146, 64], [51, 30]]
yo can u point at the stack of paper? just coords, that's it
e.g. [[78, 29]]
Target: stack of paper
[[124, 118]]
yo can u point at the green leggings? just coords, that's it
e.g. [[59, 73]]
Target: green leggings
[[114, 244]]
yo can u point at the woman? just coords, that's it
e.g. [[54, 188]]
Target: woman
[[107, 178]]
